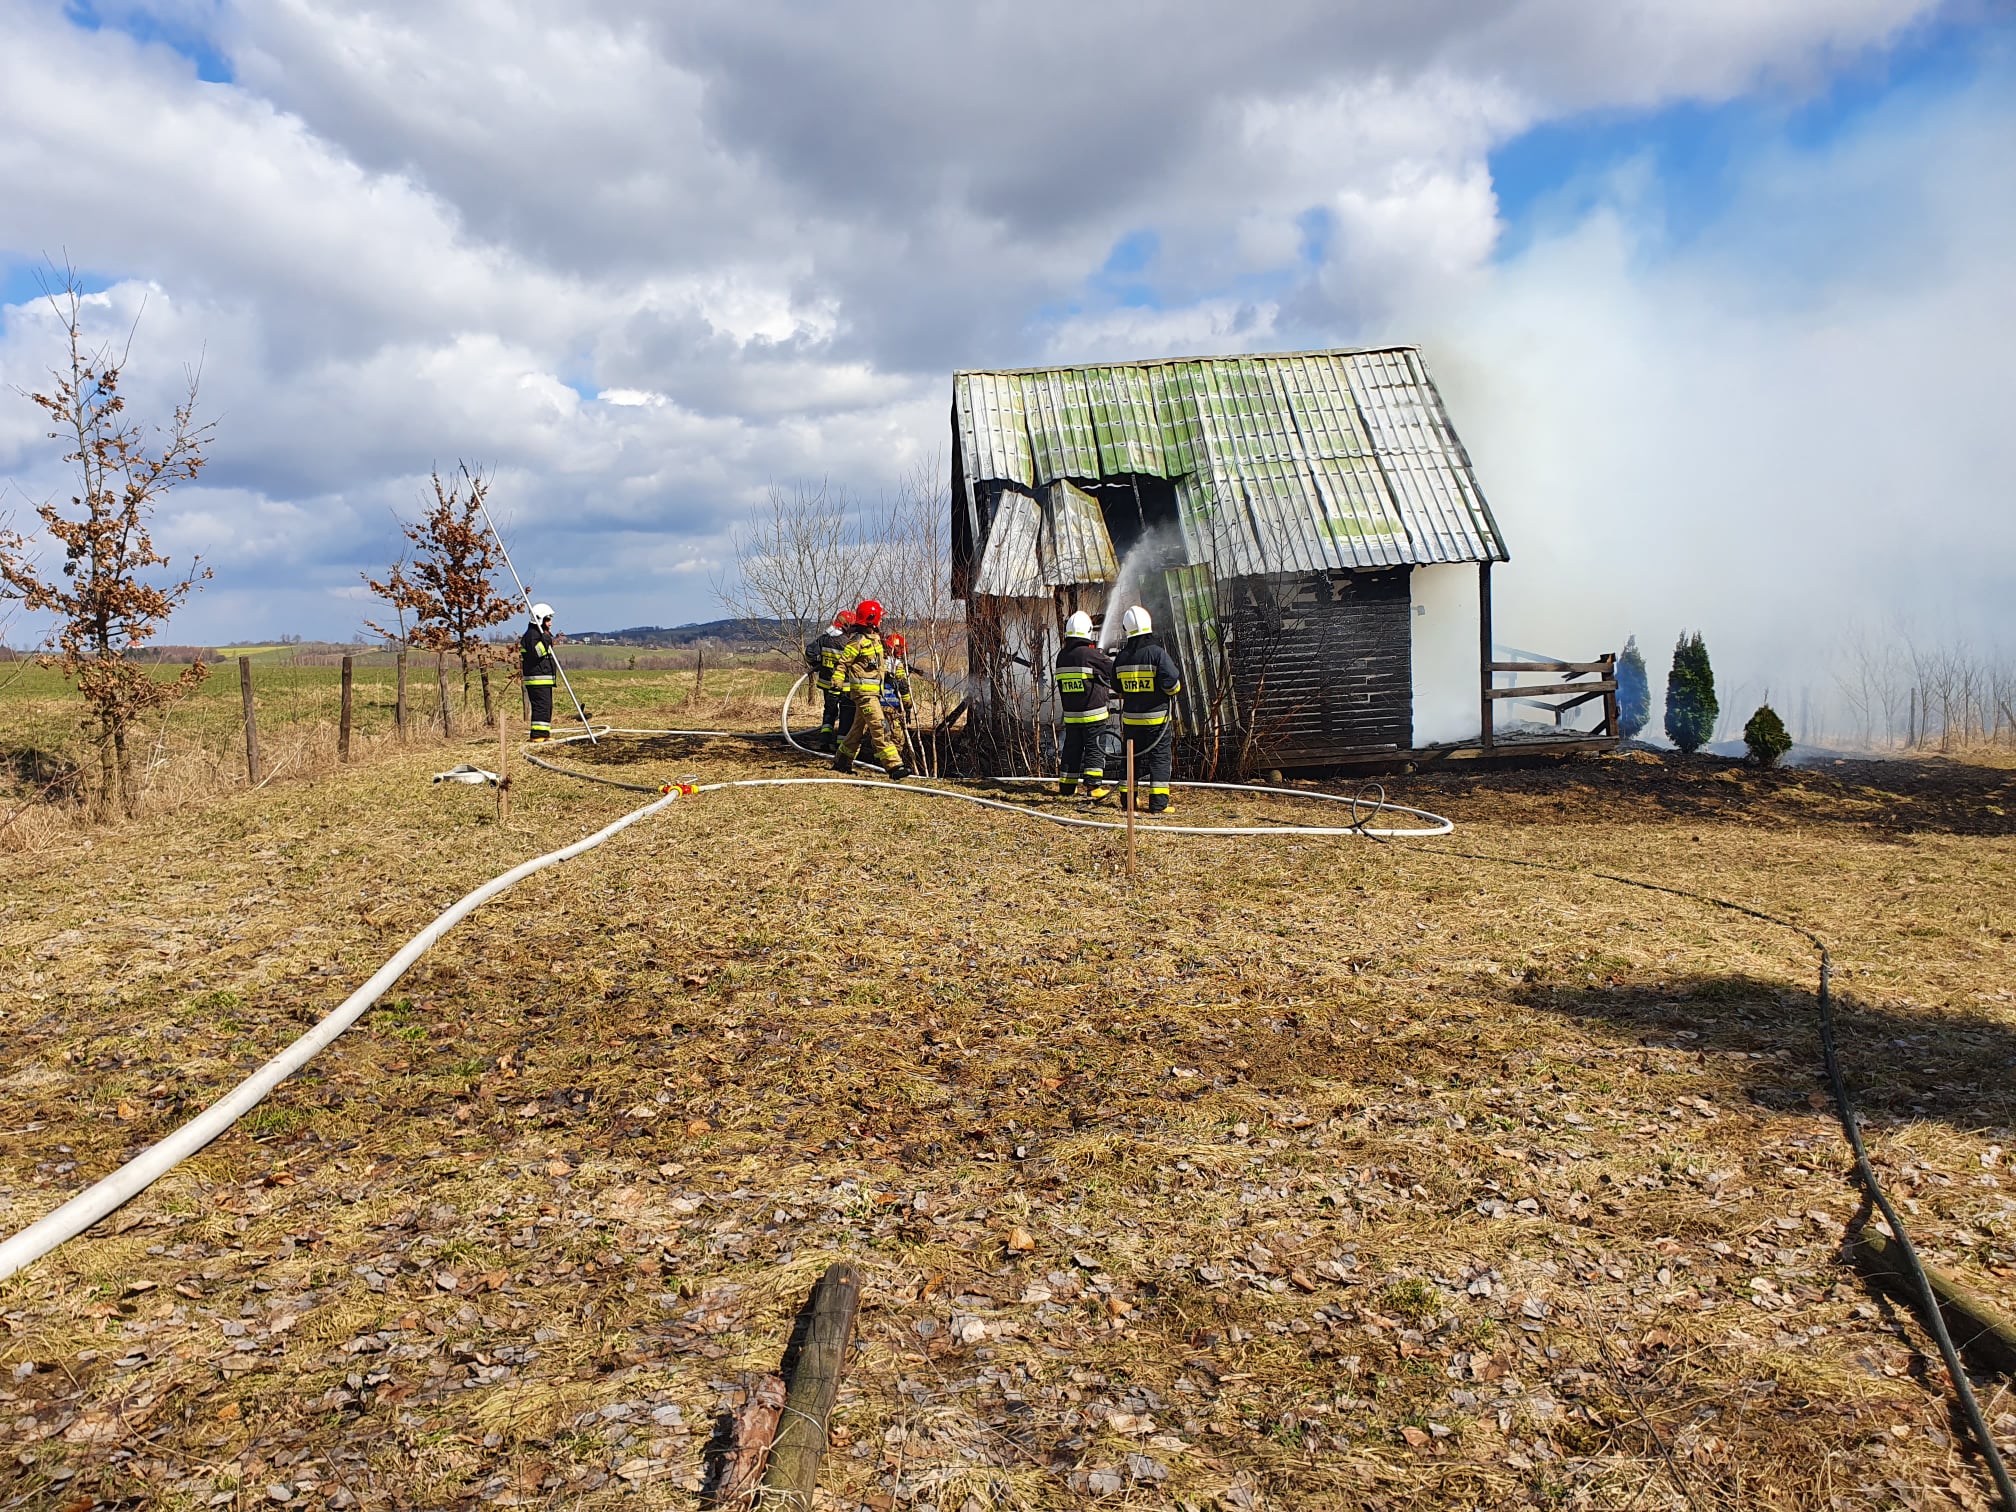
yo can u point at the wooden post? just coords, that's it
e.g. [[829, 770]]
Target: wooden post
[[1490, 718], [825, 1328], [1610, 698], [399, 699], [343, 719], [441, 684], [503, 768], [251, 723], [699, 670], [1133, 802]]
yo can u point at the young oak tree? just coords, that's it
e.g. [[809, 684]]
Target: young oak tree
[[107, 600], [447, 586]]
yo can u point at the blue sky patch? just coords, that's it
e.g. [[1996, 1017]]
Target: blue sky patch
[[212, 67], [21, 282], [1692, 156]]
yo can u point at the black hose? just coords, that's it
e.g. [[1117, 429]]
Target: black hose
[[1844, 1107]]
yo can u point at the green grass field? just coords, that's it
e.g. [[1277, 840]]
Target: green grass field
[[42, 712]]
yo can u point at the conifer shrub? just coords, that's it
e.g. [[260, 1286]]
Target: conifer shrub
[[1634, 691], [1691, 709], [1766, 736]]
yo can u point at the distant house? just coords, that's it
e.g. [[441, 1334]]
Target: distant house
[[1305, 527]]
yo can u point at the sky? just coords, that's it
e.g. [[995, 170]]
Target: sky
[[1716, 290]]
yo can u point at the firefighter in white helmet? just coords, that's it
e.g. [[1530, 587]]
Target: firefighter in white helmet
[[535, 660], [1089, 696], [1149, 682]]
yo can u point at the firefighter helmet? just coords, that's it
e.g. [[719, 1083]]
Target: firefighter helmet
[[895, 642], [868, 614], [1078, 626], [1136, 622], [541, 613], [844, 620]]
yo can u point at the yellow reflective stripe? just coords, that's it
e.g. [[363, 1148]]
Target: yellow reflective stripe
[[1161, 717], [538, 682], [1097, 716]]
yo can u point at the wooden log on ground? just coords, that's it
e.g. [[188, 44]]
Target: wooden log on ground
[[813, 1364], [1981, 1331]]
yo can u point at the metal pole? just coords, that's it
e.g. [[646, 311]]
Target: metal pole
[[504, 552], [1133, 802]]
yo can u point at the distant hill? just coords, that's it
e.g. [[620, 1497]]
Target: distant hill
[[732, 632]]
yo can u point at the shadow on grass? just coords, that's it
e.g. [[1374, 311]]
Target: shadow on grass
[[1899, 1063]]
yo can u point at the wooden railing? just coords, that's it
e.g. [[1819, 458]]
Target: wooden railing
[[1572, 693]]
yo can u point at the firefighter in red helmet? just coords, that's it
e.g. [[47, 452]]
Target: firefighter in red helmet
[[859, 668]]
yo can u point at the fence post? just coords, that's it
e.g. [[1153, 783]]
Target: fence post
[[1610, 698], [699, 670], [251, 723], [1133, 802], [441, 685], [343, 720], [503, 767], [1489, 713], [399, 699]]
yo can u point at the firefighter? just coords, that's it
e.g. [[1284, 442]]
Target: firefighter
[[858, 668], [1149, 679], [819, 659], [1085, 687], [896, 694], [535, 661]]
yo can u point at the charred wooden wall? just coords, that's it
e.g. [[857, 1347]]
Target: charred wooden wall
[[1322, 665]]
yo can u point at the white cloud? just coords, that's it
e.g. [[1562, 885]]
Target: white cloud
[[764, 236]]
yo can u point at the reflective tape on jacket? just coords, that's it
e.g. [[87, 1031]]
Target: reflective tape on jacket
[[1095, 716], [538, 682], [1153, 717]]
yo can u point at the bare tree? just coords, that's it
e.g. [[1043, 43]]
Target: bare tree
[[911, 566], [106, 601], [447, 587], [798, 558]]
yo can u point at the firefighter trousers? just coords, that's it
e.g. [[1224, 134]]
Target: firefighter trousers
[[834, 713], [1154, 761], [1087, 753], [866, 728], [540, 696]]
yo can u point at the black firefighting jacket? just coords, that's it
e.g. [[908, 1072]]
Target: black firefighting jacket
[[535, 658], [1148, 678], [1085, 684], [821, 654]]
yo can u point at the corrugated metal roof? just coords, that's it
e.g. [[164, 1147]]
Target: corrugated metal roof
[[1074, 547], [1295, 462], [1008, 566]]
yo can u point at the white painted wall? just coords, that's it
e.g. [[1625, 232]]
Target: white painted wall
[[1445, 653]]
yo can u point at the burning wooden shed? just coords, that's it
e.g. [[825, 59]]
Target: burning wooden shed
[[1305, 527]]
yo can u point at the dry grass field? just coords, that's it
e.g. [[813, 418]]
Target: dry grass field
[[1299, 1174]]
